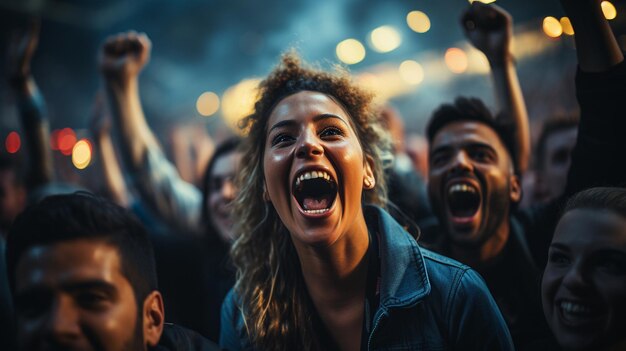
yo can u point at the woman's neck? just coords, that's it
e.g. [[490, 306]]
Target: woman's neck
[[338, 269], [336, 279]]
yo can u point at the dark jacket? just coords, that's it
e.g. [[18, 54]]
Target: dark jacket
[[176, 338], [515, 279], [427, 301]]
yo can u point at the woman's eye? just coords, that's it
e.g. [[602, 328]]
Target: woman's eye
[[281, 138], [558, 258], [331, 131], [612, 266]]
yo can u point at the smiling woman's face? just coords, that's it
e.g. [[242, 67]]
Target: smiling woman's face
[[315, 169], [584, 284]]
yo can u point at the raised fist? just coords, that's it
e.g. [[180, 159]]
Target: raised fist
[[489, 28], [123, 56]]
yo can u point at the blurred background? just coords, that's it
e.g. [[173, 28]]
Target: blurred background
[[208, 55]]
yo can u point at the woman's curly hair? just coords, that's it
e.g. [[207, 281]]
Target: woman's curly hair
[[275, 304]]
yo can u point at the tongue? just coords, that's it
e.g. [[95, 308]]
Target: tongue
[[311, 203]]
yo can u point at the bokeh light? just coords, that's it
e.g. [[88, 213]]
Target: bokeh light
[[609, 10], [411, 72], [552, 27], [13, 142], [418, 21], [238, 102], [483, 1], [350, 51], [385, 39], [66, 140], [81, 154], [456, 60], [477, 62], [566, 25], [208, 103]]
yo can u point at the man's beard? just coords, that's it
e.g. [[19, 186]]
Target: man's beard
[[499, 205], [136, 343]]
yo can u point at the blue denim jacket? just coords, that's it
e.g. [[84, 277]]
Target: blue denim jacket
[[427, 301]]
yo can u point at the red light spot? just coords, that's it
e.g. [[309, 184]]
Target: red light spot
[[54, 139], [13, 142], [66, 141]]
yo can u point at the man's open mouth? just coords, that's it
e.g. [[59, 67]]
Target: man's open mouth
[[315, 191], [463, 200]]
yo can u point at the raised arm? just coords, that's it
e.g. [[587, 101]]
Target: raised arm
[[31, 105], [100, 126], [597, 159], [122, 58], [489, 28], [596, 46]]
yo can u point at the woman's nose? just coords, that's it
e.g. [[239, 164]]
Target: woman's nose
[[308, 145]]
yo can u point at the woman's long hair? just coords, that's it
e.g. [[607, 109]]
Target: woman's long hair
[[275, 306]]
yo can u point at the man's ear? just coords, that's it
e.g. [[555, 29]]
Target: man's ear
[[515, 189], [153, 318], [369, 181]]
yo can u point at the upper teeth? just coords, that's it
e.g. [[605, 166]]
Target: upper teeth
[[312, 175], [461, 187], [573, 307]]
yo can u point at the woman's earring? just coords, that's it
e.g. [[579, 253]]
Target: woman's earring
[[266, 196]]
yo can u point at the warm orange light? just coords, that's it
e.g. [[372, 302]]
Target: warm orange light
[[609, 10], [238, 102], [81, 154], [456, 60], [566, 24], [411, 72], [418, 21], [350, 51], [385, 39], [208, 103], [13, 142], [552, 27]]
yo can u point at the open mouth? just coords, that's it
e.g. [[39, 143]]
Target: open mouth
[[463, 200], [315, 191], [577, 313]]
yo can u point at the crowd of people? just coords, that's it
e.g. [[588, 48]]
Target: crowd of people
[[319, 229]]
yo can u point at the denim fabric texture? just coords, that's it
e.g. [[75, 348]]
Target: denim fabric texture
[[427, 301]]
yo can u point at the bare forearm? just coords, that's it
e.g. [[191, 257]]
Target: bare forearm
[[596, 46], [31, 107], [511, 102], [126, 109], [113, 177]]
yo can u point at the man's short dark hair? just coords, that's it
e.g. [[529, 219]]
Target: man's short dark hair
[[552, 125], [81, 215], [474, 110]]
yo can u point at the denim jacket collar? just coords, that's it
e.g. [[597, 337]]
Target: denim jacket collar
[[404, 281]]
